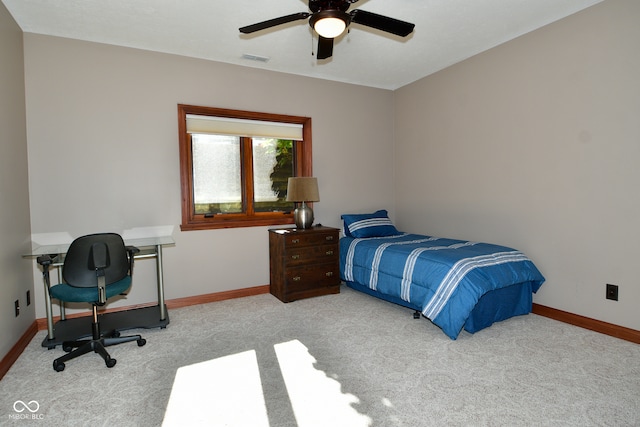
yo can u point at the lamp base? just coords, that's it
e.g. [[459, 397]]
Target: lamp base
[[303, 216]]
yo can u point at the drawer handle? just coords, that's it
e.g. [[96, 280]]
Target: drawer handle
[[297, 279], [295, 240], [329, 237], [329, 273], [295, 256], [329, 253]]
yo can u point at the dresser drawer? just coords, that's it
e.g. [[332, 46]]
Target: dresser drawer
[[304, 255], [303, 278], [311, 239]]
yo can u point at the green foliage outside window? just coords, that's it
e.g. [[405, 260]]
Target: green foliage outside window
[[283, 168]]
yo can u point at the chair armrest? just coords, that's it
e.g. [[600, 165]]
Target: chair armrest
[[46, 260], [131, 250]]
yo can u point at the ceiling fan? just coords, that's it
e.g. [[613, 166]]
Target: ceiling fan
[[329, 18]]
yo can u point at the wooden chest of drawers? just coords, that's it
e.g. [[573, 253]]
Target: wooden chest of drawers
[[304, 263]]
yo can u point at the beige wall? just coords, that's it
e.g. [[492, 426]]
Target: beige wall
[[15, 272], [103, 152], [536, 144]]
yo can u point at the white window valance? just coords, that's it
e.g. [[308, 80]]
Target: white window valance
[[243, 127]]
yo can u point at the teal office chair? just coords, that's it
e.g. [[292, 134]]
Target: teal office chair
[[96, 267]]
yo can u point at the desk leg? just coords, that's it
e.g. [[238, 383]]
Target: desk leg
[[47, 303], [163, 309], [49, 306], [63, 314]]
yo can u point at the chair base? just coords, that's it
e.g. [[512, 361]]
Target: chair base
[[97, 346]]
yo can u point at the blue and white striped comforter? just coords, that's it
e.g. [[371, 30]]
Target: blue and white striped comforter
[[444, 277]]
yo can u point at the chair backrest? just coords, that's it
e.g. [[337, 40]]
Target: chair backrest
[[88, 254]]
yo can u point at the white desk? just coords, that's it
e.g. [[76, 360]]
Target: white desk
[[145, 317]]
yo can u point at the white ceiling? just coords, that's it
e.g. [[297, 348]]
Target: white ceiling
[[447, 31]]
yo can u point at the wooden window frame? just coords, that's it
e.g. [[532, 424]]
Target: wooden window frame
[[192, 221]]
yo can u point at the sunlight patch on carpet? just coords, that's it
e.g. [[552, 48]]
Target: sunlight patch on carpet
[[316, 399], [226, 391]]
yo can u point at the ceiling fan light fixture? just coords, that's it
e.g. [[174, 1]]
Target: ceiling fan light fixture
[[330, 27], [329, 23]]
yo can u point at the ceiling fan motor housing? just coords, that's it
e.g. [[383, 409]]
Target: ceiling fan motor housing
[[336, 5]]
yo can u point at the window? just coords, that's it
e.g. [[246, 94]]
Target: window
[[234, 166]]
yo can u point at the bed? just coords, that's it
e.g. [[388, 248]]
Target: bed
[[456, 284]]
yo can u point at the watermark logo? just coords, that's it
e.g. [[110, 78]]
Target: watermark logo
[[20, 406], [26, 410]]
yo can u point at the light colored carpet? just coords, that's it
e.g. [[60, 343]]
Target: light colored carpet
[[346, 359]]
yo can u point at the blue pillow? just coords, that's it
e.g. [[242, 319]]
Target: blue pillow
[[376, 224]]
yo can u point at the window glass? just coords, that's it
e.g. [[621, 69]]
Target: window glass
[[272, 167], [217, 181]]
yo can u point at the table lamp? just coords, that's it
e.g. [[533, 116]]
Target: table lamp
[[302, 190]]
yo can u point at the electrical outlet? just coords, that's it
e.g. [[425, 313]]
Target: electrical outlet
[[28, 298], [17, 306], [612, 292]]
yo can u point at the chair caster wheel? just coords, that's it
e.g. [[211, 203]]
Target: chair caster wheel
[[58, 366], [110, 362], [141, 342], [67, 348]]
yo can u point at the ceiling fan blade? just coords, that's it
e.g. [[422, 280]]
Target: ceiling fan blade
[[274, 22], [380, 22], [325, 47]]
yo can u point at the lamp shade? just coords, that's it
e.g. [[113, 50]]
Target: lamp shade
[[302, 189]]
